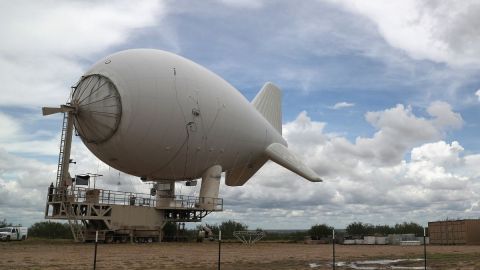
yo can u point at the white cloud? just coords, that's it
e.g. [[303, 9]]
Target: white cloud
[[433, 165], [72, 29], [398, 131], [250, 4], [478, 94], [298, 50], [440, 31], [341, 105], [9, 128], [23, 185], [444, 116], [14, 139], [304, 129], [438, 152], [369, 180], [44, 43]]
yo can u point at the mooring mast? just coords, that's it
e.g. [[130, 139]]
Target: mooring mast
[[119, 216]]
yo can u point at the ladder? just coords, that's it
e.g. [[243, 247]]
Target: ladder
[[62, 151], [61, 189]]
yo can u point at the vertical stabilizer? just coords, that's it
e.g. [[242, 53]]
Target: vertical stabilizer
[[269, 103]]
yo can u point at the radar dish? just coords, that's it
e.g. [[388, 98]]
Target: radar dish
[[99, 108]]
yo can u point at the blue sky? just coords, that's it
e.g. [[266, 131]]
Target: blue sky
[[379, 98]]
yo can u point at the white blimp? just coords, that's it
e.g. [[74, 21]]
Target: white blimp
[[159, 116]]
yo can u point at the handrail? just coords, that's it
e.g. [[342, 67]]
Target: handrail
[[105, 196]]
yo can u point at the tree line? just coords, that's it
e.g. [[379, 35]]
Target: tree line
[[56, 230], [366, 229], [45, 229], [4, 223], [359, 228], [317, 231]]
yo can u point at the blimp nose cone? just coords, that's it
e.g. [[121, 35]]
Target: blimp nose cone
[[99, 108]]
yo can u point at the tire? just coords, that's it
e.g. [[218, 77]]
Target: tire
[[8, 238], [123, 239], [24, 238], [109, 238]]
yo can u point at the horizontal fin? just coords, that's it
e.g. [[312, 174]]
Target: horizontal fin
[[282, 156], [61, 109], [269, 103]]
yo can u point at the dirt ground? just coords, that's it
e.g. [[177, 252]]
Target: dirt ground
[[38, 254]]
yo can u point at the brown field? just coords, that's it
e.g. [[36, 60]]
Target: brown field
[[42, 254]]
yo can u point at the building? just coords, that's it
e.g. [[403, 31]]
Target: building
[[455, 232]]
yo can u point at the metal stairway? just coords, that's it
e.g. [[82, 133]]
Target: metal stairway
[[75, 225]]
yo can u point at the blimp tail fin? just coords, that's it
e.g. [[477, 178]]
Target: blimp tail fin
[[269, 103], [284, 157], [278, 154]]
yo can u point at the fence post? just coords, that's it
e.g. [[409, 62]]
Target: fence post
[[95, 255], [333, 244], [219, 247], [425, 248]]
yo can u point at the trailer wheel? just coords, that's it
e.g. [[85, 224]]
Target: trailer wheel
[[109, 238], [24, 238], [123, 239]]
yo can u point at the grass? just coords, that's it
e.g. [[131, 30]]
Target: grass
[[454, 256]]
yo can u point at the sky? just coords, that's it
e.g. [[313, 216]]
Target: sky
[[380, 98]]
